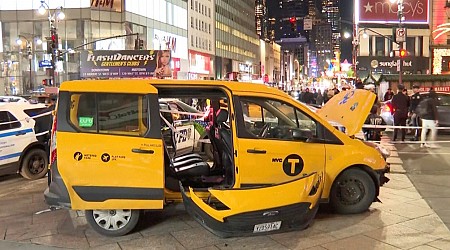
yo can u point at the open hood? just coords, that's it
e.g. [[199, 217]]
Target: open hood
[[349, 108]]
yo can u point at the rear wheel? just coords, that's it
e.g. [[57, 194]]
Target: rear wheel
[[113, 222], [34, 164], [352, 192]]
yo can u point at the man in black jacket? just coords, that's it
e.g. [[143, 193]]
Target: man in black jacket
[[414, 101], [400, 104]]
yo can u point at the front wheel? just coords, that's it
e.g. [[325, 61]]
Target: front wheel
[[352, 192], [113, 222], [34, 164]]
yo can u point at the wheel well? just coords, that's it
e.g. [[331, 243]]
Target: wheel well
[[369, 171], [30, 147]]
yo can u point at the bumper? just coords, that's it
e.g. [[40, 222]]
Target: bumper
[[56, 195], [293, 217], [382, 175]]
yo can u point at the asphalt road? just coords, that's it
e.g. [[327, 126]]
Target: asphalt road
[[429, 171]]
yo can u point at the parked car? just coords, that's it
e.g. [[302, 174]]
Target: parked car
[[443, 109], [24, 139], [269, 175], [4, 99]]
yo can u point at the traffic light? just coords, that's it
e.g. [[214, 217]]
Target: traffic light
[[52, 44], [293, 21], [403, 53], [59, 55], [141, 44], [138, 44], [29, 50]]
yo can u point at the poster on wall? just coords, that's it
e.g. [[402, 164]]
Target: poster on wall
[[383, 11], [107, 5], [125, 63]]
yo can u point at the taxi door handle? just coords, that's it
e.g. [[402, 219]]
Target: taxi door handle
[[20, 133], [142, 151], [256, 151]]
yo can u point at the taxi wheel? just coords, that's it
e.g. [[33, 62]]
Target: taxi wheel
[[34, 164], [113, 222], [352, 192]]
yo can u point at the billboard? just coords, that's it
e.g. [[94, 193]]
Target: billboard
[[125, 63], [383, 11]]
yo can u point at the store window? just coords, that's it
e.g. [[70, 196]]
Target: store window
[[411, 45], [192, 22], [380, 46]]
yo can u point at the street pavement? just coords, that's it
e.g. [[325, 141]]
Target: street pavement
[[403, 220]]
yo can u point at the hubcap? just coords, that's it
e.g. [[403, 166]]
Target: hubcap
[[36, 165], [112, 220], [351, 191]]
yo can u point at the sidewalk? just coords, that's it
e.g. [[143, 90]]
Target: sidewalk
[[402, 221]]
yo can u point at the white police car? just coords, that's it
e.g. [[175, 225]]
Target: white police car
[[24, 133]]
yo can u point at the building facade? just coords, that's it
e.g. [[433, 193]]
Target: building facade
[[162, 24], [261, 20], [332, 15], [440, 39], [201, 34], [378, 23], [237, 44]]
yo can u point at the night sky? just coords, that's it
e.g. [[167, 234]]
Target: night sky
[[346, 7]]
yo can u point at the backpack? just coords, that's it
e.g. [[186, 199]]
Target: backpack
[[422, 108]]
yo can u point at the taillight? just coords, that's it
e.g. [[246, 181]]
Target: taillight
[[53, 141]]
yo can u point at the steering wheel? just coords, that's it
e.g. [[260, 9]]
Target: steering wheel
[[264, 130]]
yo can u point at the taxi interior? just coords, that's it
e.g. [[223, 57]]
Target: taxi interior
[[193, 169]]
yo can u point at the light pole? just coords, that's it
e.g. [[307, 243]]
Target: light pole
[[401, 18], [57, 15], [29, 46], [355, 43]]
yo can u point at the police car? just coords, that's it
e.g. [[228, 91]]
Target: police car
[[24, 139]]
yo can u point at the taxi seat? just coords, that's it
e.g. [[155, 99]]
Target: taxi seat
[[219, 134]]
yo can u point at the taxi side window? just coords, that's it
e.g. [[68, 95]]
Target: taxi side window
[[8, 121], [272, 119], [124, 114]]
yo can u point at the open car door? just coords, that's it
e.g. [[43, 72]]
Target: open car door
[[256, 210]]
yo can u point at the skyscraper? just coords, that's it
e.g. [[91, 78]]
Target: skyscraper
[[287, 17], [330, 10], [261, 19]]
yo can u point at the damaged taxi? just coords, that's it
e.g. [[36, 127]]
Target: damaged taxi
[[274, 159]]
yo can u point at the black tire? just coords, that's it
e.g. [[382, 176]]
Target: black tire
[[352, 192], [34, 164], [113, 222]]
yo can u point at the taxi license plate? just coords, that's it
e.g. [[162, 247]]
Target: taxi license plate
[[266, 227]]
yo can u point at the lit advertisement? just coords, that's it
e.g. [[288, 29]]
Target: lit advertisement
[[383, 11]]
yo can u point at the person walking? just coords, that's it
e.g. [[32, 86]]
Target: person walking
[[400, 105], [319, 99], [414, 102], [429, 119]]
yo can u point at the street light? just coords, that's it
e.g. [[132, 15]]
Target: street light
[[57, 15], [29, 46]]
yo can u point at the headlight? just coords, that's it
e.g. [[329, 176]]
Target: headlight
[[380, 148]]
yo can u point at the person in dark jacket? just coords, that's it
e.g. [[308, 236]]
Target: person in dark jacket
[[373, 134], [414, 101], [430, 120], [308, 97], [400, 104], [388, 95]]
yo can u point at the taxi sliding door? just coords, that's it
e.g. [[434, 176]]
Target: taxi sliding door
[[109, 148]]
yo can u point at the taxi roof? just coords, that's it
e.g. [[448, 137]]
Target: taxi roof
[[150, 85]]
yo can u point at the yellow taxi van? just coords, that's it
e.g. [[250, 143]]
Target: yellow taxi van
[[274, 159]]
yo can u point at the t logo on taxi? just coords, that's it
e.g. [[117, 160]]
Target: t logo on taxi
[[293, 165]]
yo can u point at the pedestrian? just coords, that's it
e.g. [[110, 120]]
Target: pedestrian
[[359, 84], [414, 116], [319, 99], [400, 104], [374, 134], [325, 95], [308, 97], [388, 95], [429, 119], [314, 95]]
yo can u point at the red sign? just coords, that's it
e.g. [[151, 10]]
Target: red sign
[[376, 11]]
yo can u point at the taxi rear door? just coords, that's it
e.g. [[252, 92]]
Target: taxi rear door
[[110, 151]]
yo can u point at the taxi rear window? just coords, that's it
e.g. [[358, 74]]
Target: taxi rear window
[[108, 113]]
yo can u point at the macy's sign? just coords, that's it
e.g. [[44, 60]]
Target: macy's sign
[[414, 11]]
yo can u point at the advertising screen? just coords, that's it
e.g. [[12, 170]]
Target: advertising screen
[[383, 11], [125, 63]]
